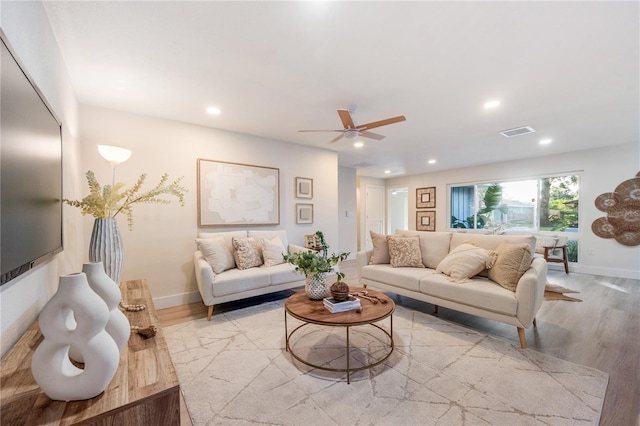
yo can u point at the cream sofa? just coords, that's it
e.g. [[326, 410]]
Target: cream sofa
[[479, 295], [220, 280]]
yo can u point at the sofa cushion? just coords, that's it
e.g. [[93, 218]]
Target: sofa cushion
[[465, 261], [404, 251], [380, 249], [272, 251], [283, 273], [479, 293], [434, 246], [407, 278], [246, 253], [236, 281], [490, 242], [512, 262], [217, 253]]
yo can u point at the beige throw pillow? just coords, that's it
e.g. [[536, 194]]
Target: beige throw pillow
[[380, 253], [512, 262], [465, 261], [272, 251], [246, 253], [404, 251], [217, 253]]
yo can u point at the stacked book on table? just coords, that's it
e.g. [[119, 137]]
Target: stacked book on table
[[334, 306]]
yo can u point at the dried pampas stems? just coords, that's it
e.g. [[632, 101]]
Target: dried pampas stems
[[131, 308], [147, 332]]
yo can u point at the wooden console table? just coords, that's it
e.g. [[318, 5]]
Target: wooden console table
[[144, 390]]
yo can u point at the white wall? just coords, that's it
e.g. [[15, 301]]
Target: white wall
[[161, 245], [347, 211], [27, 29], [602, 170]]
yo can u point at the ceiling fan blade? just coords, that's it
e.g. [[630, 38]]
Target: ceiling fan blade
[[347, 121], [380, 123], [334, 140], [321, 131], [371, 135]]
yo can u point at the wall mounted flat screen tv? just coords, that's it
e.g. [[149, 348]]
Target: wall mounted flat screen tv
[[30, 172]]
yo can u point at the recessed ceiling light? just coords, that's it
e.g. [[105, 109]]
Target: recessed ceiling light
[[492, 104], [386, 172], [358, 144], [432, 161], [213, 110], [545, 141]]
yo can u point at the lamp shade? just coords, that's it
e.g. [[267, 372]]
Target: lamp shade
[[114, 154]]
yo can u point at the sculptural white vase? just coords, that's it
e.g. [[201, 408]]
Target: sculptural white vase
[[316, 286], [106, 246], [118, 325], [75, 316]]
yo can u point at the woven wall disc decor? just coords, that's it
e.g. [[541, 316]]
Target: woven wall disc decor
[[608, 201], [622, 206]]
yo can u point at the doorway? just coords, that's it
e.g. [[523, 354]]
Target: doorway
[[397, 209]]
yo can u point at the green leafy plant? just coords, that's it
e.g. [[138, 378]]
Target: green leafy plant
[[312, 263], [108, 201]]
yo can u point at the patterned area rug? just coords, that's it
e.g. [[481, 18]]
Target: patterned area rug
[[556, 292], [234, 370]]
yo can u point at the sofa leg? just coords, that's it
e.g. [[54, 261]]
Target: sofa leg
[[209, 312], [534, 323], [523, 343], [435, 310]]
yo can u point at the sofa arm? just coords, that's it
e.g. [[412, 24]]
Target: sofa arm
[[530, 291], [362, 259], [293, 248], [204, 277]]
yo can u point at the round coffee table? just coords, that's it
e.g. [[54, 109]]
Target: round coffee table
[[310, 311]]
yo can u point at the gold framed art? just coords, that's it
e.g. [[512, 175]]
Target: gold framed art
[[304, 214], [235, 194], [426, 221], [304, 187], [426, 198]]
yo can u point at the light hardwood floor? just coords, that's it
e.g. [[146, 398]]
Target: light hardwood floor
[[602, 332]]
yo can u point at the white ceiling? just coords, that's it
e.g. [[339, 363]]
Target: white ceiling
[[568, 69]]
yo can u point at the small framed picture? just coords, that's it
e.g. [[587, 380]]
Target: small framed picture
[[310, 241], [304, 187], [304, 213], [426, 221], [426, 198]]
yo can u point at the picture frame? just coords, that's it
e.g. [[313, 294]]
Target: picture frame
[[304, 214], [304, 187], [426, 198], [426, 221], [237, 194], [311, 241]]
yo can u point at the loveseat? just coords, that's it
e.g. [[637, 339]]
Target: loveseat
[[239, 264], [493, 276]]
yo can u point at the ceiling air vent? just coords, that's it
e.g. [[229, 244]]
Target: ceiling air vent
[[517, 131], [363, 165]]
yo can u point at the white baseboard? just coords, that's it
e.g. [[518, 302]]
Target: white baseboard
[[177, 300]]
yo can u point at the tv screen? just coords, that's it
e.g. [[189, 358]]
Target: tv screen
[[30, 173]]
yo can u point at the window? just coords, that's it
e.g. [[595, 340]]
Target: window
[[543, 204]]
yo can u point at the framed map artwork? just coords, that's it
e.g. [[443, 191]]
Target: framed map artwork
[[234, 194]]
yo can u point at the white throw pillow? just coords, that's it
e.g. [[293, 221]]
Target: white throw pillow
[[465, 261], [217, 252], [272, 251]]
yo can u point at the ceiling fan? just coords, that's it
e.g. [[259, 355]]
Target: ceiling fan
[[351, 130]]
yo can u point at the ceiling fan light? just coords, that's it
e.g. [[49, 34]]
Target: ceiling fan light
[[358, 144]]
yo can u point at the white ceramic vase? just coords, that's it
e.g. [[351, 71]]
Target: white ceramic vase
[[316, 286], [106, 247], [118, 325], [75, 316]]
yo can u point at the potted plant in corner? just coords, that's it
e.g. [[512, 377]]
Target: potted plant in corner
[[315, 266]]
